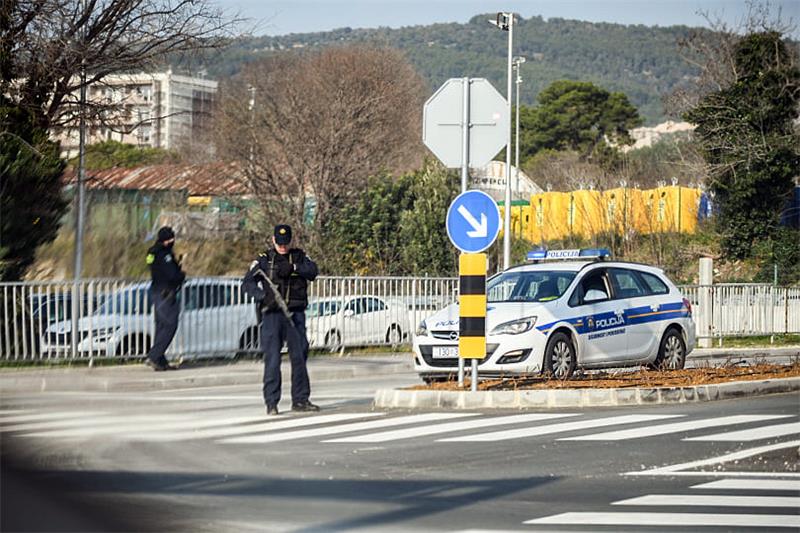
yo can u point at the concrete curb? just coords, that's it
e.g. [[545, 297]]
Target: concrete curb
[[561, 398]]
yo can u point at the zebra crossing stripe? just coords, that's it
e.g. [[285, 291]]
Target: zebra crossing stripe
[[649, 431], [399, 434], [680, 468], [166, 427], [750, 484], [346, 428], [764, 432], [702, 500], [519, 433], [122, 425], [672, 519], [46, 416], [86, 421], [285, 423]]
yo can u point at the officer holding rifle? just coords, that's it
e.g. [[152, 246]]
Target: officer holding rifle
[[278, 281]]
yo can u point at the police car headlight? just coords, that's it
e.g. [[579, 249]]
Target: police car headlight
[[422, 329], [515, 327]]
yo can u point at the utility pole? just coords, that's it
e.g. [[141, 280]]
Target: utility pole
[[81, 199]]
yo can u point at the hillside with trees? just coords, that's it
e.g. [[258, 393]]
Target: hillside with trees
[[640, 61]]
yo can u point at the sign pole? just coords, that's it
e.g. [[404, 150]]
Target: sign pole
[[464, 176]]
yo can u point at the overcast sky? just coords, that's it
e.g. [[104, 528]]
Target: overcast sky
[[279, 17]]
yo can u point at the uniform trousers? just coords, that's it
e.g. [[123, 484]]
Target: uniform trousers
[[166, 310], [275, 330]]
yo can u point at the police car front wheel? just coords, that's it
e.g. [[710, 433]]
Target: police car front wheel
[[671, 352], [559, 357]]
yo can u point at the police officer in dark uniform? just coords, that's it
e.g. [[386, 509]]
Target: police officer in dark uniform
[[167, 279], [278, 280]]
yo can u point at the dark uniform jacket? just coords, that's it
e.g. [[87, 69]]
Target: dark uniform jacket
[[290, 273], [165, 270]]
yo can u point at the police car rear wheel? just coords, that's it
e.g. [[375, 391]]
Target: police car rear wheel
[[672, 352], [560, 357]]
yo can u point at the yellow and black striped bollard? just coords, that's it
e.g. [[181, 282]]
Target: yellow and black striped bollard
[[472, 312]]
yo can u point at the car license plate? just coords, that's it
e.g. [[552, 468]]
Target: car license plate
[[445, 352]]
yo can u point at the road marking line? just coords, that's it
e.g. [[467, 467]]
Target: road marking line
[[741, 454], [519, 433], [278, 423], [47, 416], [347, 428], [120, 425], [649, 431], [750, 484], [744, 435], [86, 422], [712, 500], [671, 519], [170, 425], [420, 431], [711, 473]]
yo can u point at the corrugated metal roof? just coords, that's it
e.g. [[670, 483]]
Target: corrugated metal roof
[[213, 179]]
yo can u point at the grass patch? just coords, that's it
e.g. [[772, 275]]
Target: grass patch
[[759, 341]]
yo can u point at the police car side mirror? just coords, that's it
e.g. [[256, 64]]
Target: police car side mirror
[[349, 312], [594, 295]]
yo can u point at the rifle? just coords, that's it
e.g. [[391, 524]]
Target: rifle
[[278, 298]]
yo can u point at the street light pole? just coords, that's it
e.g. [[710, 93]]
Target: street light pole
[[505, 21], [518, 61]]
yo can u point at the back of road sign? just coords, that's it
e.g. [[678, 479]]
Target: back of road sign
[[443, 120]]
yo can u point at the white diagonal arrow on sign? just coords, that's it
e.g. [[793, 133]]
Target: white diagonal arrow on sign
[[478, 229]]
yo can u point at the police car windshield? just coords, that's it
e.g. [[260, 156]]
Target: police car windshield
[[538, 286]]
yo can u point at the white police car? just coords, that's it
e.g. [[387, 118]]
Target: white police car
[[553, 317]]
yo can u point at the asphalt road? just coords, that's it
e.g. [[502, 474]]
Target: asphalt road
[[208, 459]]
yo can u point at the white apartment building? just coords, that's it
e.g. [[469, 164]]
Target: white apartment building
[[159, 110]]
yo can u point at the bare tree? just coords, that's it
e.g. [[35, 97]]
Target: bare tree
[[44, 44], [320, 124]]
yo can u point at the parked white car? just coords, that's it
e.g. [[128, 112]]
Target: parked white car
[[215, 318], [355, 320]]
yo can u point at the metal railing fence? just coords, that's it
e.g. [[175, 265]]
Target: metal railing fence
[[114, 318], [744, 309]]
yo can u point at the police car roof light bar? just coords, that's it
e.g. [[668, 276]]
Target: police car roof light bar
[[576, 254]]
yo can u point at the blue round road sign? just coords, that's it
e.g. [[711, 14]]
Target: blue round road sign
[[473, 221]]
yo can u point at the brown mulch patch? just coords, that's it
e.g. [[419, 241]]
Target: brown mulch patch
[[631, 378]]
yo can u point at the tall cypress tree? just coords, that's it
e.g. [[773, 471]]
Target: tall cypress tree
[[748, 139]]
